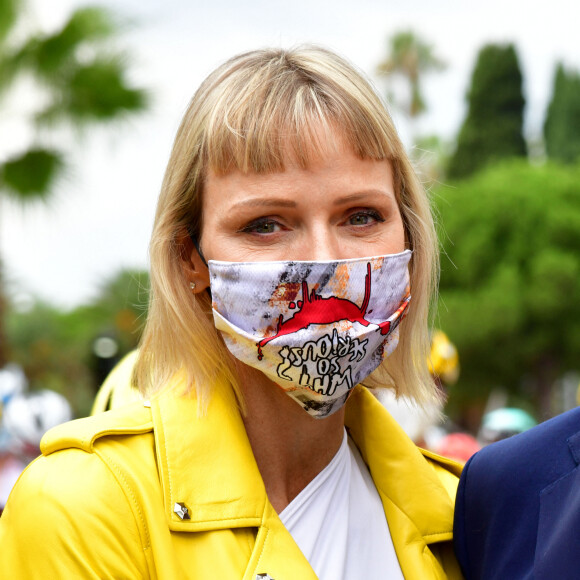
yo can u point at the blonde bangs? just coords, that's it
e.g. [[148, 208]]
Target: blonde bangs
[[288, 107]]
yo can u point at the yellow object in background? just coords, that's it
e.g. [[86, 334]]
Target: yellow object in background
[[117, 390], [444, 359]]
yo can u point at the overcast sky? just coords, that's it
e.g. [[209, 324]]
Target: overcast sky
[[100, 218]]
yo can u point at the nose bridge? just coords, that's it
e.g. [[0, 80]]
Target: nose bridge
[[320, 242]]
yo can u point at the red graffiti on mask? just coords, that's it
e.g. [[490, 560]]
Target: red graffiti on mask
[[314, 309]]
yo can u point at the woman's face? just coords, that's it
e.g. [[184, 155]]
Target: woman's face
[[339, 207]]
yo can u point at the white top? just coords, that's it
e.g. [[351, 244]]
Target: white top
[[339, 523]]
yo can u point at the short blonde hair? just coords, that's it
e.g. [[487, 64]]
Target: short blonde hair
[[245, 116]]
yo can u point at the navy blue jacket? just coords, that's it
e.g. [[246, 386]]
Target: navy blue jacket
[[517, 514]]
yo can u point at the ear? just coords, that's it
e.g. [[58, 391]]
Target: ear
[[194, 269]]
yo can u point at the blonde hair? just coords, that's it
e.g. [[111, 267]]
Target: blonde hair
[[247, 115]]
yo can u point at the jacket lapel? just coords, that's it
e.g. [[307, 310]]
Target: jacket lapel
[[559, 523], [206, 464], [276, 555]]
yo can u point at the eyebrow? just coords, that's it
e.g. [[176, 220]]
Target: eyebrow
[[266, 202], [359, 196], [285, 202]]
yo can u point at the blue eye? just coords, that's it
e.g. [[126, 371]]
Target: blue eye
[[360, 219], [364, 218], [261, 226], [265, 228]]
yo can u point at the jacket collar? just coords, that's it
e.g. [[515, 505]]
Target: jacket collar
[[206, 463]]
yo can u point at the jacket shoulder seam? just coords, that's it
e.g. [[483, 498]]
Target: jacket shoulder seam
[[130, 497]]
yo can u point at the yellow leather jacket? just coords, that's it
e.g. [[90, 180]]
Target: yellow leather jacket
[[104, 500]]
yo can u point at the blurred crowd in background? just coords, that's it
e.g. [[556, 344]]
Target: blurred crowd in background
[[506, 333]]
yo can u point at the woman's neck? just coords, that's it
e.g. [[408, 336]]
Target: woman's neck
[[291, 447]]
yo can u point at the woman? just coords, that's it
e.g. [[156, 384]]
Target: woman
[[289, 229]]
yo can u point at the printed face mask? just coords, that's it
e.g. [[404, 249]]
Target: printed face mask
[[315, 328]]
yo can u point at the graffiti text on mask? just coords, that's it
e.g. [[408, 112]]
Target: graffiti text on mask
[[319, 362]]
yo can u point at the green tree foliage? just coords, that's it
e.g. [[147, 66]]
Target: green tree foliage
[[80, 80], [510, 278], [492, 129], [55, 347], [562, 124], [411, 57]]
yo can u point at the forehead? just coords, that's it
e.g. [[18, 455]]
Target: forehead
[[333, 172]]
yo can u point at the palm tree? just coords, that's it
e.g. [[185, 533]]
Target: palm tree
[[411, 57], [80, 81]]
